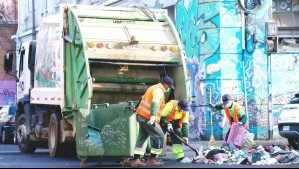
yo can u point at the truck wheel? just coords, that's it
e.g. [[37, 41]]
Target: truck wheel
[[23, 140], [55, 147], [4, 138], [294, 141], [14, 138]]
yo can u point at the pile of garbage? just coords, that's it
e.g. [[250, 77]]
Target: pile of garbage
[[228, 153]]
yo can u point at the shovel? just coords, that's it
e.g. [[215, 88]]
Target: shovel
[[192, 148]]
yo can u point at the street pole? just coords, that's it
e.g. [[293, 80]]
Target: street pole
[[243, 62], [33, 20], [270, 115]]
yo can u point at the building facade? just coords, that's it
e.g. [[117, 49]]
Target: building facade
[[247, 48], [8, 28]]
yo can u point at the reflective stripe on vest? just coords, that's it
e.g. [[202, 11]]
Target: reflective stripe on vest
[[171, 116], [236, 119], [145, 104]]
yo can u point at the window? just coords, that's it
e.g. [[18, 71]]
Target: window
[[3, 114], [21, 62], [12, 110]]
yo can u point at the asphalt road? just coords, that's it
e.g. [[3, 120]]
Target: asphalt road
[[10, 157]]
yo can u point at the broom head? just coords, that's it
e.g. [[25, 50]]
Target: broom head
[[212, 142]]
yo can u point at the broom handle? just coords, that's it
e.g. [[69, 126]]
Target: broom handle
[[212, 134]]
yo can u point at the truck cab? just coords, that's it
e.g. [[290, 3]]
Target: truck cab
[[25, 70]]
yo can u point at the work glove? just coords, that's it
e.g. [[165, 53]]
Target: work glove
[[169, 127], [186, 139], [212, 105], [152, 120]]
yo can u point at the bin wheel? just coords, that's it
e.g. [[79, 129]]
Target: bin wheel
[[125, 162], [82, 163]]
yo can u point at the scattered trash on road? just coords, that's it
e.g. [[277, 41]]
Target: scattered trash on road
[[229, 154]]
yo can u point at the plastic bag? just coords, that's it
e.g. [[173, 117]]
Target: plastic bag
[[249, 140], [237, 135], [249, 136]]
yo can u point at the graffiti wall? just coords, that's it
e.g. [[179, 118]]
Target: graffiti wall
[[223, 55], [8, 92]]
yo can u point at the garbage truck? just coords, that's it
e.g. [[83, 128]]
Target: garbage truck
[[78, 83]]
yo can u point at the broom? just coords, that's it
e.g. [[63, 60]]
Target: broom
[[212, 141]]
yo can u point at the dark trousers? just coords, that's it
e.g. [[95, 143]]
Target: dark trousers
[[156, 135]]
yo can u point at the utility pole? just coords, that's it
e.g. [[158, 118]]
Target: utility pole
[[33, 20], [270, 112]]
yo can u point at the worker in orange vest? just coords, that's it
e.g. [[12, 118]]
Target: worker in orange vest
[[175, 119], [233, 111], [148, 115]]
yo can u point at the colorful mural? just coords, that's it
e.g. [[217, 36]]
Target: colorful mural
[[47, 65], [8, 92], [220, 56]]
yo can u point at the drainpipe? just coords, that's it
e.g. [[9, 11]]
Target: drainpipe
[[33, 20], [16, 10], [243, 62]]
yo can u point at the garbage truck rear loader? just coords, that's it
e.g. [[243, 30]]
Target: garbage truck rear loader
[[79, 82]]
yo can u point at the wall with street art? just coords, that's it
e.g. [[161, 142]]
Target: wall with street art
[[221, 57], [7, 92]]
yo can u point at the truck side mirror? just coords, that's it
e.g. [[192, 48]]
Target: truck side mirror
[[8, 58]]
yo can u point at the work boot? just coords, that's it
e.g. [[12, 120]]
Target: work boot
[[138, 163], [152, 161]]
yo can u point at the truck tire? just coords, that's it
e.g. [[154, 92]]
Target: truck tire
[[293, 142], [4, 138], [23, 140], [55, 147]]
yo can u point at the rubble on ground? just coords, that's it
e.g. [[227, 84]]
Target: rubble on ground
[[247, 155]]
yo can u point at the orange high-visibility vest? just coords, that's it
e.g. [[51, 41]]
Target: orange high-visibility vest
[[171, 116], [236, 119], [146, 101]]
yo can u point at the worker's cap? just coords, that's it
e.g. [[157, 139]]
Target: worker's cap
[[226, 98], [184, 104], [169, 81]]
